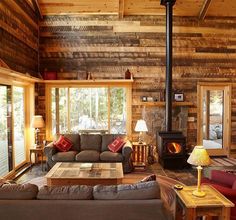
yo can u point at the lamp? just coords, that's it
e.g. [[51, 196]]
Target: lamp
[[37, 122], [199, 157], [140, 127]]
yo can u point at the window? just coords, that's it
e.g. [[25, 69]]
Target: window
[[99, 108], [118, 115], [88, 109]]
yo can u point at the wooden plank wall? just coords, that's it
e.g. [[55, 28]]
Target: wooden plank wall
[[19, 36], [107, 47]]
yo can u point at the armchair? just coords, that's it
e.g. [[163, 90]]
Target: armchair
[[225, 183]]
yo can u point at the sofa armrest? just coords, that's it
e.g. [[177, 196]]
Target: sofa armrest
[[168, 194], [127, 150], [222, 177], [227, 192], [50, 150]]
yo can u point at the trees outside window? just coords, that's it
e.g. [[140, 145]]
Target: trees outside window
[[88, 108]]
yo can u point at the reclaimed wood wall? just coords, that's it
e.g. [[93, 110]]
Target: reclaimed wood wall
[[19, 36], [107, 47]]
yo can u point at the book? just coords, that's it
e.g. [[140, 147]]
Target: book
[[87, 166]]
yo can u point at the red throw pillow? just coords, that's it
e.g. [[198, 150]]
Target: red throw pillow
[[116, 145], [63, 144]]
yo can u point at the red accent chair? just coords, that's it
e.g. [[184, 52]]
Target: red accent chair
[[225, 183]]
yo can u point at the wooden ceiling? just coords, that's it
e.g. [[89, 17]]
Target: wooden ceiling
[[200, 8]]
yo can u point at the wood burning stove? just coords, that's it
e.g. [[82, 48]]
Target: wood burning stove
[[171, 145], [171, 149]]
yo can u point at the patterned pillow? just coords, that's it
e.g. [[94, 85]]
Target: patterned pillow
[[151, 177], [63, 144], [116, 145]]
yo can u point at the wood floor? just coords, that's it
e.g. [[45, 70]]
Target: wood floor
[[187, 176]]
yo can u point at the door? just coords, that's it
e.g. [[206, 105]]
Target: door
[[12, 128], [5, 130], [19, 125], [214, 118]]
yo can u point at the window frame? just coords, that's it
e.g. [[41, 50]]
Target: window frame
[[127, 84]]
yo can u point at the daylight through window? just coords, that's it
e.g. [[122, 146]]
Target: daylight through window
[[100, 109]]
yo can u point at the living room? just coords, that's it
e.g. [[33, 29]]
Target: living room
[[115, 68]]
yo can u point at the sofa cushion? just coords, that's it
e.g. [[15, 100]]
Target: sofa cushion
[[77, 192], [106, 140], [63, 144], [116, 145], [88, 156], [18, 191], [147, 190], [91, 142], [109, 156], [68, 156]]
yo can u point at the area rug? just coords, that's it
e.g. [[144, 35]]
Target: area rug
[[187, 176], [39, 181], [227, 162]]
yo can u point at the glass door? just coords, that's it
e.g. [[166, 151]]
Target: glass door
[[214, 118], [19, 125], [5, 130]]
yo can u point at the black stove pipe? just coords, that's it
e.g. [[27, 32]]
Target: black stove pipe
[[169, 13]]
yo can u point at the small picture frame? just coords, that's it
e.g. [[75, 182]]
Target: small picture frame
[[157, 98], [179, 97], [150, 99], [144, 98]]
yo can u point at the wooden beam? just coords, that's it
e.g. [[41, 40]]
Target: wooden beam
[[30, 3], [37, 8], [204, 9], [121, 8], [3, 64]]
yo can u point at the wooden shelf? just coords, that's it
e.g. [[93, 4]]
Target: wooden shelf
[[162, 104], [95, 81], [9, 74]]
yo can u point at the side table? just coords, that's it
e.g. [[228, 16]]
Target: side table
[[37, 151], [139, 156], [189, 207]]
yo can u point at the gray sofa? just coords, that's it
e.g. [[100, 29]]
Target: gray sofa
[[90, 148], [139, 201]]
